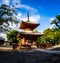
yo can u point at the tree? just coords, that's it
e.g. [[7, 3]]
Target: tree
[[56, 21], [7, 15], [35, 31], [48, 35], [52, 35], [41, 40], [12, 36]]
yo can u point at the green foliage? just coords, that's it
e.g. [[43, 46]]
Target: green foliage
[[19, 40], [12, 36], [56, 21], [50, 35], [7, 15], [35, 31], [41, 40]]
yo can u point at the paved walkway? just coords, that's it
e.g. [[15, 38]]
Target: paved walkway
[[53, 47], [36, 55], [48, 51], [6, 48]]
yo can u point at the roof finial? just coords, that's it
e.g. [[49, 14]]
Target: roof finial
[[28, 17]]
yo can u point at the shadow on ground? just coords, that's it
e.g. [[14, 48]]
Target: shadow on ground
[[28, 57]]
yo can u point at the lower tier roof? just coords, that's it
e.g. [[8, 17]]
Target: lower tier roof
[[24, 34], [37, 34]]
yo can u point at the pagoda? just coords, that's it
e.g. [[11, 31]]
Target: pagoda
[[28, 37]]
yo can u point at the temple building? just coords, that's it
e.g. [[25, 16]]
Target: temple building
[[28, 37]]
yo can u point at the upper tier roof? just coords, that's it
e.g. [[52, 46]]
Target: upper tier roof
[[28, 24]]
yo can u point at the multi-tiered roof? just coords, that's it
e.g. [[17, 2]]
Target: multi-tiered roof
[[28, 33]]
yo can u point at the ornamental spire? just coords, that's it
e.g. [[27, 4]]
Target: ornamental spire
[[28, 17]]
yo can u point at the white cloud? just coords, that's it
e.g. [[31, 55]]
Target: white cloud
[[33, 18], [28, 7], [51, 19], [6, 2], [3, 35], [19, 16], [52, 26], [14, 27], [18, 4]]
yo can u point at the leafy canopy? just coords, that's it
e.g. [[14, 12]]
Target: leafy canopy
[[50, 35], [56, 21], [12, 36], [7, 14]]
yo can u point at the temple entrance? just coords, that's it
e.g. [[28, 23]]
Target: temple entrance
[[28, 41]]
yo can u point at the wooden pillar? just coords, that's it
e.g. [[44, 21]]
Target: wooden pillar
[[27, 41], [34, 42], [23, 40]]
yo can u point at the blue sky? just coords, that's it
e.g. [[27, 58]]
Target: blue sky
[[41, 11]]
